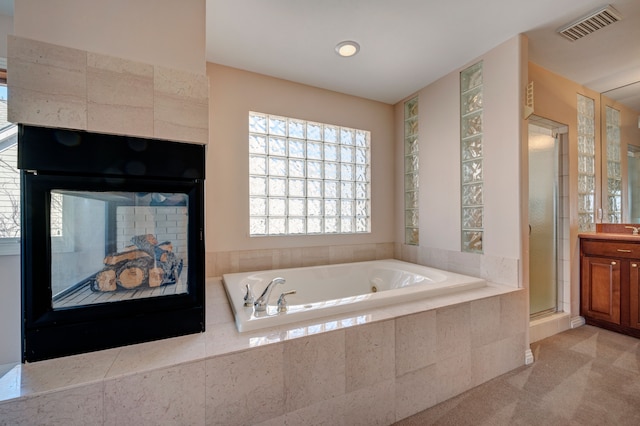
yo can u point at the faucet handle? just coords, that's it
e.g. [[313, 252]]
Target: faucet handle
[[635, 229], [282, 302], [248, 297]]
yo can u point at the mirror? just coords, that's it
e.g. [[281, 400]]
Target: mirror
[[620, 163]]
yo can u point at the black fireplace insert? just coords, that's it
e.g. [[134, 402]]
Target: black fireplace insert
[[112, 240]]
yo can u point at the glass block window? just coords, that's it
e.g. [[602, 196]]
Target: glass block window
[[614, 170], [307, 177], [471, 158], [411, 226], [586, 164]]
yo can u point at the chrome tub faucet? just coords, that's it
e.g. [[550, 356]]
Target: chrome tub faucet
[[260, 304]]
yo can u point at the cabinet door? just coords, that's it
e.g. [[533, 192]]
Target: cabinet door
[[634, 294], [600, 297]]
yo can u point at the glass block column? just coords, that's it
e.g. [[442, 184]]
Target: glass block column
[[614, 170], [471, 158], [411, 225], [586, 164]]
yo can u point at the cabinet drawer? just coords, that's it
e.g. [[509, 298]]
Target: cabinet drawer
[[611, 249]]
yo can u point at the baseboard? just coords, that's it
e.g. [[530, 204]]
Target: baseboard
[[528, 357], [577, 322]]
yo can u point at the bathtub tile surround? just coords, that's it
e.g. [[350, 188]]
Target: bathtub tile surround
[[371, 367], [220, 263], [369, 358], [136, 399], [247, 387], [57, 86], [314, 369]]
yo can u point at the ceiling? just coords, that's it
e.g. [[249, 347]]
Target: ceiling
[[408, 44]]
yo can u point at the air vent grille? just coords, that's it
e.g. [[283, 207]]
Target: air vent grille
[[590, 23]]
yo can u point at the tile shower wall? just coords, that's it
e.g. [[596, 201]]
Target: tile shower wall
[[375, 373]]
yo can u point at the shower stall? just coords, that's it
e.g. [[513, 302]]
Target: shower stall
[[545, 216]]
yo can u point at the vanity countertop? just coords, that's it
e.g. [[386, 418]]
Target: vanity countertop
[[610, 236]]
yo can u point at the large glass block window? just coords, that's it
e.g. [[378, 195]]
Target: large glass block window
[[411, 225], [614, 169], [471, 158], [586, 164], [307, 177]]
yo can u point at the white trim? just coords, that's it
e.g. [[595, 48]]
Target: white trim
[[577, 322], [528, 357]]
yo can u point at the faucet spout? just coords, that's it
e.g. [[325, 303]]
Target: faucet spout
[[260, 304]]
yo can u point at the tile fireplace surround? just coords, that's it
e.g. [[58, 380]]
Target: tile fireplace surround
[[371, 367]]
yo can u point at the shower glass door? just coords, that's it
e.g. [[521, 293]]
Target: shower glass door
[[543, 205]]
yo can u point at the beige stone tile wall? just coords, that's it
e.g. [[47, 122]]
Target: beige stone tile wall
[[375, 373], [219, 263], [57, 86]]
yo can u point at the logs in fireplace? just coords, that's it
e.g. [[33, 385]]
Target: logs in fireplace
[[145, 263]]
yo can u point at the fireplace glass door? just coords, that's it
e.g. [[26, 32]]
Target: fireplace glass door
[[113, 246], [112, 240]]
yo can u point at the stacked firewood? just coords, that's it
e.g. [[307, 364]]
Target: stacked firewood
[[145, 263]]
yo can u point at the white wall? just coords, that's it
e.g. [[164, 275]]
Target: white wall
[[233, 93], [157, 32], [439, 134]]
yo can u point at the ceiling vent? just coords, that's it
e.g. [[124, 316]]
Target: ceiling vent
[[592, 22]]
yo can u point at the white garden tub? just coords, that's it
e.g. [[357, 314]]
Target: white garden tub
[[335, 289]]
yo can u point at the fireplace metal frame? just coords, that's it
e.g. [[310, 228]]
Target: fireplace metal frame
[[77, 160]]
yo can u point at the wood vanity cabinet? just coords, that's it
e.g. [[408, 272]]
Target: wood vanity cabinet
[[610, 283]]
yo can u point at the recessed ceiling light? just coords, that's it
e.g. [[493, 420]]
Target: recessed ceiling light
[[347, 48]]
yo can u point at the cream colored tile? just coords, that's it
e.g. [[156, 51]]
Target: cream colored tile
[[245, 388], [341, 254], [255, 260], [47, 84], [370, 354], [453, 330], [364, 252], [464, 263], [485, 363], [485, 321], [158, 354], [453, 376], [181, 105], [327, 412], [512, 352], [514, 313], [313, 256], [500, 270], [415, 342], [173, 395], [371, 405], [210, 265], [82, 405], [218, 313], [314, 369], [67, 371], [416, 391], [119, 96], [384, 251]]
